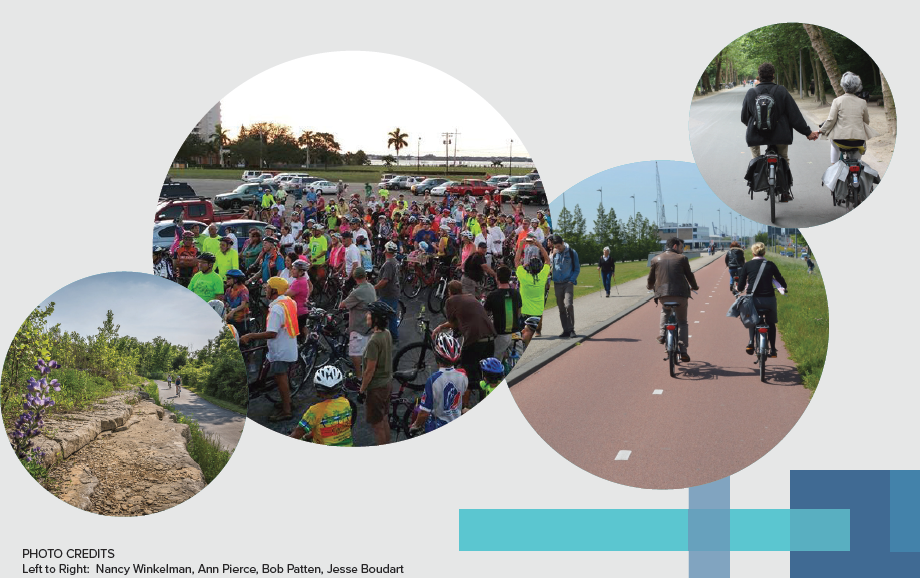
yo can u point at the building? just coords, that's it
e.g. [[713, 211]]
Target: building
[[693, 235], [208, 123]]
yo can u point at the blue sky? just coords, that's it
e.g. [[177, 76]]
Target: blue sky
[[144, 305], [681, 185]]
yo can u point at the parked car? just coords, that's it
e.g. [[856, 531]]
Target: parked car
[[192, 209], [441, 190], [513, 180], [474, 187], [534, 176], [299, 182], [251, 176], [426, 185], [404, 183], [323, 187], [172, 190], [241, 228], [245, 194], [164, 232], [495, 180]]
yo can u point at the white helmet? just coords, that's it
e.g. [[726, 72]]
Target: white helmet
[[328, 379], [391, 247], [217, 306], [467, 234]]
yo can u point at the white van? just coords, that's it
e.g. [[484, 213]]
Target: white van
[[247, 175]]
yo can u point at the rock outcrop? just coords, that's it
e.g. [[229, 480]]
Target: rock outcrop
[[126, 457]]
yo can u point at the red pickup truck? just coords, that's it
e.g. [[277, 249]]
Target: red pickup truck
[[193, 210], [472, 187]]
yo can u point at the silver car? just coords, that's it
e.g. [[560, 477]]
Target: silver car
[[164, 232]]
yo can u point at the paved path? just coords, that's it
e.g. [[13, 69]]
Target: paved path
[[225, 424], [713, 420], [593, 312], [722, 155]]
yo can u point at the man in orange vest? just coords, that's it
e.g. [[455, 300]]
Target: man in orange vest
[[281, 330]]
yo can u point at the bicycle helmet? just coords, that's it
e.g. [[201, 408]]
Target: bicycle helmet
[[445, 226], [413, 219], [447, 347], [217, 306], [208, 257], [380, 313], [188, 235], [492, 369], [467, 235], [391, 247], [328, 379], [298, 264], [423, 246], [236, 274], [355, 220], [534, 266]]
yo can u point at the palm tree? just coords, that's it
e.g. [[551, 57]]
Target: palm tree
[[397, 140], [220, 138]]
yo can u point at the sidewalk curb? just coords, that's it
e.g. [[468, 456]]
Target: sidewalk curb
[[553, 353]]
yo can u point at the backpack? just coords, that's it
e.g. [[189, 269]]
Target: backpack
[[765, 110], [733, 258], [451, 250]]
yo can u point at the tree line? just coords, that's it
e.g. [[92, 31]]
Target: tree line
[[631, 240], [822, 54], [108, 355]]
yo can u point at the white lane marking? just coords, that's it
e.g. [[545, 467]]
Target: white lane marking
[[696, 321], [707, 304], [658, 392], [702, 312], [623, 455]]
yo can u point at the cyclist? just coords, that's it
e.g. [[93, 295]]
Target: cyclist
[[318, 247], [211, 242], [331, 421], [178, 385], [734, 260], [493, 372], [168, 381], [446, 391], [504, 306], [467, 315], [764, 295], [162, 266], [281, 331], [532, 279], [206, 283], [378, 370], [357, 304], [387, 286], [227, 257], [300, 289], [237, 299], [185, 259], [671, 278], [474, 271]]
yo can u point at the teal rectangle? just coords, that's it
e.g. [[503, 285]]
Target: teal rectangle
[[904, 511], [760, 530], [573, 530], [819, 530]]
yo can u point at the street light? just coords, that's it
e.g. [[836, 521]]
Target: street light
[[510, 145], [657, 216], [720, 227], [601, 191], [418, 159]]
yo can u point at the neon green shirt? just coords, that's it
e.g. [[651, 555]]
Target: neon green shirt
[[210, 245], [318, 247], [226, 261], [206, 285], [532, 293]]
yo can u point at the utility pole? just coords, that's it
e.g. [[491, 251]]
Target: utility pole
[[510, 145], [456, 134], [418, 158], [720, 227], [446, 136]]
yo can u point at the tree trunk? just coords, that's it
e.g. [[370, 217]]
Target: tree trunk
[[707, 85], [719, 70], [826, 56], [819, 81], [890, 112]]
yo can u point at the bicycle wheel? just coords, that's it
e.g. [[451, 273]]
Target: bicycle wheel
[[400, 313], [413, 285], [400, 417], [672, 358], [416, 356], [435, 301], [297, 376], [763, 359], [772, 204]]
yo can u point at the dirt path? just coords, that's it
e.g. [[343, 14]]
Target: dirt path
[[223, 423], [626, 420]]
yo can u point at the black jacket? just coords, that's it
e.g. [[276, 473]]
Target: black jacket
[[738, 254], [765, 286], [788, 116]]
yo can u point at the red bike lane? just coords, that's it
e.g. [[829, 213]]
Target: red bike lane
[[610, 407]]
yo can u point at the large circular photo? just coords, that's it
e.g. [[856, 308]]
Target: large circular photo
[[793, 125], [364, 244]]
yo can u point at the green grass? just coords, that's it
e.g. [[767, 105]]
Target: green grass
[[204, 448], [80, 390], [153, 390], [803, 318], [357, 174]]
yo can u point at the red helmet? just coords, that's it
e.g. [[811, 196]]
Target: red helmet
[[447, 347]]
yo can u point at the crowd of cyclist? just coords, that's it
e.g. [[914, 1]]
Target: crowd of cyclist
[[498, 263]]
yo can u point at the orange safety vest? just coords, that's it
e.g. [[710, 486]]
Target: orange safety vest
[[290, 315]]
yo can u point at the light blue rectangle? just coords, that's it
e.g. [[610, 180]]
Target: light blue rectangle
[[760, 530], [715, 495], [573, 530], [904, 511], [819, 530], [709, 530], [709, 565]]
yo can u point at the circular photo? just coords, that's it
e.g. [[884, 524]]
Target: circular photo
[[817, 125], [368, 250], [123, 394], [700, 335]]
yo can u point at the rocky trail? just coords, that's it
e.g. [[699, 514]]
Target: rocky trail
[[125, 457]]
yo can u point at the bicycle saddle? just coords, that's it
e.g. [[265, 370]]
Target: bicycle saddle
[[405, 374]]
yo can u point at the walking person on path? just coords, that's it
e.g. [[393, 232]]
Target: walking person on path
[[565, 268], [607, 267], [671, 278], [764, 294]]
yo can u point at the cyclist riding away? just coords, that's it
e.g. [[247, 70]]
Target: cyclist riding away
[[331, 421], [671, 278], [734, 260], [764, 295]]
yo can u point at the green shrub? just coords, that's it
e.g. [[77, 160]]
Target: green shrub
[[203, 447]]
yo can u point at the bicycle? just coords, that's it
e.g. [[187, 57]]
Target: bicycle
[[514, 353], [672, 345], [854, 168], [403, 409], [178, 389], [772, 161], [437, 297], [419, 274], [418, 356], [264, 384], [329, 291], [762, 347]]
